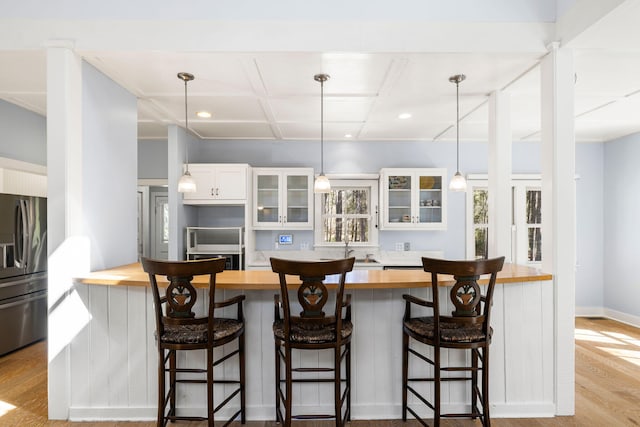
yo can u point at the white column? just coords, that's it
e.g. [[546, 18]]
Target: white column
[[500, 140], [68, 251], [558, 212]]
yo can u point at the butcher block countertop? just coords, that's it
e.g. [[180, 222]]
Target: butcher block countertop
[[133, 275]]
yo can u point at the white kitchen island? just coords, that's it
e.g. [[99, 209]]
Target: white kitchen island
[[113, 358]]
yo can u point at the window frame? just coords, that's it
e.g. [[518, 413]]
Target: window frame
[[352, 183]]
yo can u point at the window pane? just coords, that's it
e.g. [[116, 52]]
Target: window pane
[[165, 222], [482, 242], [480, 206], [534, 207], [346, 215], [535, 244]]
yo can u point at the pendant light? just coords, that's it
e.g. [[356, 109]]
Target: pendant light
[[186, 184], [458, 183], [322, 184]]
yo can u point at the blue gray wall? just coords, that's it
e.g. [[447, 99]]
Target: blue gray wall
[[622, 225], [153, 158], [109, 134], [23, 134]]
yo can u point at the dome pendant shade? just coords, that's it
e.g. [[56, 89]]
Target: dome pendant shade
[[458, 183], [186, 184], [322, 184]]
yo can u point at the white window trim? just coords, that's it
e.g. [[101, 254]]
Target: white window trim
[[372, 184]]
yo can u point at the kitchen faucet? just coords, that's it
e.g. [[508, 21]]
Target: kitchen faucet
[[347, 251]]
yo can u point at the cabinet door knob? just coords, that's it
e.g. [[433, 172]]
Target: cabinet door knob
[[212, 193], [284, 219]]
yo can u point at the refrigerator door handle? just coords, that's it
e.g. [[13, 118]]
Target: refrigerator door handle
[[21, 234], [29, 299]]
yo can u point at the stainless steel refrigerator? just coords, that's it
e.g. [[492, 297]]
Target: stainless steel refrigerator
[[23, 271]]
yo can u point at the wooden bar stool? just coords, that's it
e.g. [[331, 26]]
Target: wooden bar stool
[[468, 329], [178, 328], [313, 329]]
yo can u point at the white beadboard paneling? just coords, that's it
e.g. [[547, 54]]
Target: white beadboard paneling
[[547, 344], [137, 350], [99, 374], [497, 349], [122, 322], [80, 357], [118, 347]]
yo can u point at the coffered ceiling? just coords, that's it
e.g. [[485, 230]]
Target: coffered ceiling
[[272, 95]]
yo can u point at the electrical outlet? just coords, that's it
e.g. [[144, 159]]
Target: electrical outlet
[[407, 246], [399, 246]]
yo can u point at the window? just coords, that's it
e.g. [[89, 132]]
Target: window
[[347, 213], [534, 224], [526, 237], [481, 223]]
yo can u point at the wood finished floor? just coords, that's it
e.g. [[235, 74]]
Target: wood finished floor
[[607, 386]]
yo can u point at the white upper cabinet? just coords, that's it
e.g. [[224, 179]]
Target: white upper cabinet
[[218, 184], [414, 199], [282, 198]]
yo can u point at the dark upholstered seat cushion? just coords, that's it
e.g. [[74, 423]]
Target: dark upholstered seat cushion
[[197, 334], [312, 333], [450, 331]]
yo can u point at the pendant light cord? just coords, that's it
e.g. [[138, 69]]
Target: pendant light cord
[[186, 124], [321, 127], [457, 127]]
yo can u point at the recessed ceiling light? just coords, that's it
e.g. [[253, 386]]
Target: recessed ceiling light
[[404, 116], [203, 114], [348, 135]]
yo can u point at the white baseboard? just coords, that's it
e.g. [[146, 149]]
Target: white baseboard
[[590, 312], [608, 313], [619, 316]]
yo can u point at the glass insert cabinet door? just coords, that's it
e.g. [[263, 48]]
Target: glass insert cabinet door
[[414, 198], [297, 198], [268, 199], [282, 198]]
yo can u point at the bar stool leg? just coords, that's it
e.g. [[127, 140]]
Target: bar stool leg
[[277, 382], [162, 392], [241, 358], [210, 387], [405, 373], [348, 373], [336, 386], [486, 419], [172, 381], [289, 387]]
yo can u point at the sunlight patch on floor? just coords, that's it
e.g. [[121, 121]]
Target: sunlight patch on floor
[[624, 337], [586, 335], [631, 356], [5, 407]]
